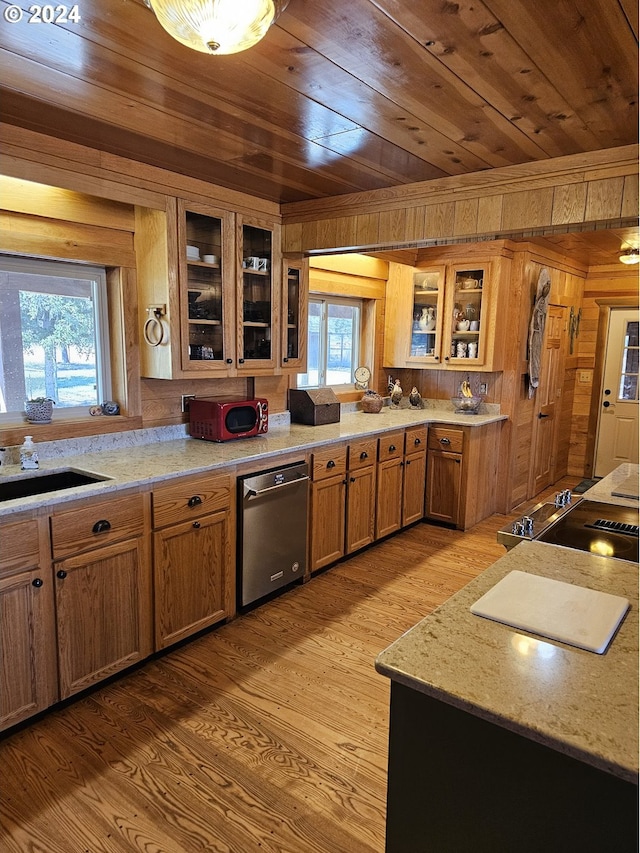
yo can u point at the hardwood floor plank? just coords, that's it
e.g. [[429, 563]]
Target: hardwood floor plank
[[268, 733]]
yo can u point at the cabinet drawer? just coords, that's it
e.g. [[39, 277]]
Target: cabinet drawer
[[190, 497], [415, 438], [390, 446], [446, 438], [329, 462], [20, 546], [100, 524], [362, 453]]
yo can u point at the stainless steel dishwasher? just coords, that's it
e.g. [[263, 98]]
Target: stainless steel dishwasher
[[272, 530]]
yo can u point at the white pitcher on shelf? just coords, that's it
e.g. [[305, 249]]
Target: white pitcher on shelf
[[427, 321]]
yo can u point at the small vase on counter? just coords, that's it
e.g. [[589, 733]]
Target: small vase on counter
[[371, 402]]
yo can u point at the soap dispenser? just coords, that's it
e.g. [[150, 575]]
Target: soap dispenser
[[28, 454]]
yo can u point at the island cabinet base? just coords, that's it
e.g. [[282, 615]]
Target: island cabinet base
[[460, 784]]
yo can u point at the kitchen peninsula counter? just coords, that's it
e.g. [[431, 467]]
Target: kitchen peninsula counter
[[531, 728], [129, 462]]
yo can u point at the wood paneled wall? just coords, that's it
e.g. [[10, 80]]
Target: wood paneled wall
[[601, 283], [599, 186]]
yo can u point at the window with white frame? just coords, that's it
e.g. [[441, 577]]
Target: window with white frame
[[333, 342], [54, 338]]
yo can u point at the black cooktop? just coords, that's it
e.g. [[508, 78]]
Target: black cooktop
[[607, 530]]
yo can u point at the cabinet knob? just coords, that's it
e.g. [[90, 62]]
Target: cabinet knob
[[417, 441], [331, 464], [196, 524], [392, 448], [241, 361], [61, 574], [407, 462], [285, 360], [229, 361], [436, 358], [446, 358], [352, 479], [195, 500], [37, 582], [101, 526], [364, 455], [445, 441]]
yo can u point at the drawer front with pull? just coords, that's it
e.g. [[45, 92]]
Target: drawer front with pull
[[362, 453], [390, 446], [190, 497], [446, 438], [415, 439], [329, 462], [77, 530]]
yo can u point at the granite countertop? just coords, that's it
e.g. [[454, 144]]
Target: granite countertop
[[577, 702], [128, 460], [602, 490]]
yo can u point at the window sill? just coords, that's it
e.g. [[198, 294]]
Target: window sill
[[12, 433]]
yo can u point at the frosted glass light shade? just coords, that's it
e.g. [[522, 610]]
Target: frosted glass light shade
[[630, 256], [216, 26]]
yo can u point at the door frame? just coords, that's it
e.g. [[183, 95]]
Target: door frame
[[605, 306]]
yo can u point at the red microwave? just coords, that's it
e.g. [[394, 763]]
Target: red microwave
[[217, 421]]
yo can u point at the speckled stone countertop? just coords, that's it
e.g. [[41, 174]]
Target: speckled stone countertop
[[577, 702], [129, 460], [602, 490]]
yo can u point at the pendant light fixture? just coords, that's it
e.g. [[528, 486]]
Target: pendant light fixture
[[630, 256], [217, 26]]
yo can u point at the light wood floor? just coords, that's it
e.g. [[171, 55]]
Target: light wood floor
[[269, 733]]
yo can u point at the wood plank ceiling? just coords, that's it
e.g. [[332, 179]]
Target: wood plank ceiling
[[339, 96]]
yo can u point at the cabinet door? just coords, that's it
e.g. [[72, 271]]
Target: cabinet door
[[444, 479], [361, 508], [206, 272], [389, 497], [414, 317], [103, 611], [468, 314], [27, 645], [295, 288], [327, 521], [258, 297], [413, 487], [191, 571]]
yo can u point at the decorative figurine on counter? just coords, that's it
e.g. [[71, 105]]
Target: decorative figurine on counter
[[396, 394], [415, 399]]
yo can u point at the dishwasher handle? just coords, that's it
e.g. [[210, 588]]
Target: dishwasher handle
[[256, 493]]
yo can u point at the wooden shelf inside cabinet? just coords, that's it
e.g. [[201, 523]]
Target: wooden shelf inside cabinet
[[255, 324], [191, 263], [263, 273], [473, 334], [195, 322]]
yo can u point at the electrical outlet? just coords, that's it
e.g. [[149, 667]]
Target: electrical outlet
[[185, 401], [483, 387]]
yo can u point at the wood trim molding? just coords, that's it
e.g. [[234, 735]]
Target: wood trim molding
[[605, 305]]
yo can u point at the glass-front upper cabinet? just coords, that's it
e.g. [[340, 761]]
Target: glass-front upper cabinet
[[294, 315], [258, 298], [426, 317], [468, 321], [206, 271]]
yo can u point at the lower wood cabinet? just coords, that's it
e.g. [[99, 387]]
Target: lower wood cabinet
[[193, 571], [102, 592], [327, 506], [29, 673], [361, 495], [401, 479], [444, 483], [413, 483]]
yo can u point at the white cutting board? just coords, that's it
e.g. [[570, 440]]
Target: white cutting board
[[560, 611]]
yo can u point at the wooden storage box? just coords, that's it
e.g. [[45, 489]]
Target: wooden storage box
[[313, 406]]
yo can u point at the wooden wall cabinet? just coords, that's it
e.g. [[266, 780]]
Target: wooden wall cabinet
[[215, 276], [193, 571], [462, 468], [102, 589], [29, 675], [294, 300], [445, 316]]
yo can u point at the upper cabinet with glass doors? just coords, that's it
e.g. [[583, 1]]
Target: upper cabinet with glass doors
[[295, 288], [258, 296], [444, 316]]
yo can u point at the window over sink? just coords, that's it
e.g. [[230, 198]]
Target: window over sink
[[54, 339]]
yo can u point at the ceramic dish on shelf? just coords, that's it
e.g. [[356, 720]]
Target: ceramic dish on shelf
[[193, 253]]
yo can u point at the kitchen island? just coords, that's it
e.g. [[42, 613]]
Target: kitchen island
[[505, 741]]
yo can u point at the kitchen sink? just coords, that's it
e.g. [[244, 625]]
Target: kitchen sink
[[24, 486]]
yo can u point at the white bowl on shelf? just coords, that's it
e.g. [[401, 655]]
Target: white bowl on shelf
[[193, 253]]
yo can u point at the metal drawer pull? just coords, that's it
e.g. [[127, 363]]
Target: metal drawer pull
[[61, 574], [445, 441], [37, 582], [196, 500], [101, 526], [196, 524], [417, 441], [331, 464], [392, 448], [364, 455]]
